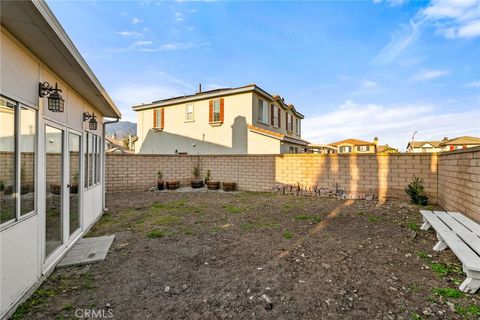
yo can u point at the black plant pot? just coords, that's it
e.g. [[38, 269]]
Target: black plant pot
[[422, 200], [197, 183], [160, 184]]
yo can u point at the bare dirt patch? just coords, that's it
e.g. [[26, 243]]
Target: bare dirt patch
[[259, 255]]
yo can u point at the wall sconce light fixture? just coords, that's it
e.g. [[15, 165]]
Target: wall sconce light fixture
[[92, 120], [55, 100]]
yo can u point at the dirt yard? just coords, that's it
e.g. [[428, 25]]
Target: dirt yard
[[258, 256]]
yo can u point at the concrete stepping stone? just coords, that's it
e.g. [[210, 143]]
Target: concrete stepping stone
[[87, 250]]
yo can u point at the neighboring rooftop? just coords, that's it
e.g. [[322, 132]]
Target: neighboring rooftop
[[353, 142], [420, 144], [464, 140], [200, 95]]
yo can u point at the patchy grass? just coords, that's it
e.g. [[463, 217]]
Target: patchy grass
[[441, 269], [233, 209], [448, 293], [259, 224], [156, 234], [412, 225], [305, 217], [471, 310], [287, 235], [169, 220], [415, 316], [39, 297], [373, 219]]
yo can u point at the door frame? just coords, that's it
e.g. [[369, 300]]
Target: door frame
[[67, 240], [49, 260], [71, 238]]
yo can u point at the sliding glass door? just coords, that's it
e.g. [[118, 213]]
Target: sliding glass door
[[73, 184], [54, 146]]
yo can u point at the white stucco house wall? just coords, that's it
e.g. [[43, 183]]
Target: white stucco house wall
[[51, 163], [243, 120]]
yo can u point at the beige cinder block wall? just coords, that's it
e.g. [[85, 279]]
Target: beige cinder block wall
[[459, 181], [384, 175], [452, 179]]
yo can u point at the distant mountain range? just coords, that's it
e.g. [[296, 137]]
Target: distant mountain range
[[122, 129]]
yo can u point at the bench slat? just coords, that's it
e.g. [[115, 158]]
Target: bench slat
[[463, 252], [467, 222], [465, 234]]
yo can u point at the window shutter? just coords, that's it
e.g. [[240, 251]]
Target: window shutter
[[222, 104], [272, 110], [154, 118], [210, 112], [163, 118], [279, 117], [286, 121]]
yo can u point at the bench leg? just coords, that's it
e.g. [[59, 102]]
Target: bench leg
[[470, 285], [441, 245], [425, 225]]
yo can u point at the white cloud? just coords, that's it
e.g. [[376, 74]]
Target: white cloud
[[178, 16], [156, 86], [454, 19], [130, 33], [136, 20], [451, 18], [391, 3], [393, 125], [400, 40], [368, 84], [142, 43], [473, 84], [428, 74]]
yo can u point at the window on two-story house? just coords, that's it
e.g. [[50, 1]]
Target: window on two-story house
[[189, 112], [289, 122], [345, 149], [215, 115], [158, 118], [363, 148], [262, 111], [275, 117], [297, 126], [216, 110]]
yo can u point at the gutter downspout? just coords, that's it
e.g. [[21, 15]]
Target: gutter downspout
[[104, 209]]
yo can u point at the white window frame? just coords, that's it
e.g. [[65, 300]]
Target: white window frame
[[17, 164], [297, 126], [216, 110], [289, 122], [343, 148], [276, 111], [189, 115], [159, 118], [363, 148], [262, 111]]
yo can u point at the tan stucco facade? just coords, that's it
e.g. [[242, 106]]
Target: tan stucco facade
[[233, 136]]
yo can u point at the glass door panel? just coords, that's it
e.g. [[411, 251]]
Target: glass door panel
[[54, 189], [74, 175]]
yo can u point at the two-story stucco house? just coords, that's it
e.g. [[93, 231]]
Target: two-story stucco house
[[52, 111], [243, 120], [424, 146], [355, 146]]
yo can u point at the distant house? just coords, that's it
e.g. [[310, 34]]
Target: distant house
[[459, 143], [424, 146], [321, 148], [243, 120], [115, 145], [386, 149], [355, 146]]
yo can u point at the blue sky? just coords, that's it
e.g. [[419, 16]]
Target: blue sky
[[355, 69]]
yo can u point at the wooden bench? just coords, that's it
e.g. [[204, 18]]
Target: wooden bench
[[462, 236]]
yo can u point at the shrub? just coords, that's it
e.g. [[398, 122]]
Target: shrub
[[415, 191]]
